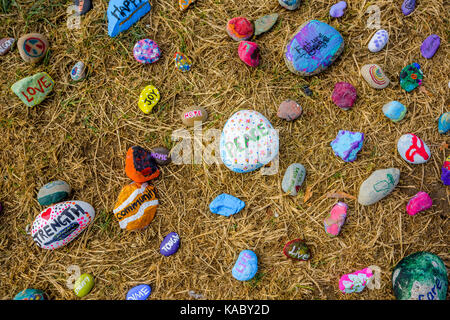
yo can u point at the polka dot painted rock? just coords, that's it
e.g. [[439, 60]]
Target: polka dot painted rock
[[184, 4], [59, 224], [161, 155], [290, 4], [265, 23], [293, 179], [122, 14], [148, 98], [136, 206], [6, 45], [33, 90], [78, 71], [337, 10], [170, 244], [411, 77], [140, 292], [429, 46], [289, 110], [344, 95], [444, 123], [53, 192], [297, 250], [248, 141], [249, 53], [408, 7], [378, 41], [336, 219], [313, 48], [246, 266], [139, 165], [420, 202], [190, 115], [83, 285], [356, 281], [146, 51], [32, 47], [378, 185], [374, 76], [83, 6], [240, 29], [394, 110], [445, 172], [182, 62], [30, 294], [347, 144], [226, 205], [412, 149]]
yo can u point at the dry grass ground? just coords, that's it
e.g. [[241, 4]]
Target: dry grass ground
[[82, 131]]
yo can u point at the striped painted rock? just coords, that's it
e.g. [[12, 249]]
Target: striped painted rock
[[374, 76], [53, 192]]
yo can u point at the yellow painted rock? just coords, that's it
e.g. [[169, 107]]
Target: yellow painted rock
[[184, 4], [148, 99]]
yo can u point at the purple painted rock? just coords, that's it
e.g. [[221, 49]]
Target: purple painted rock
[[337, 10], [445, 174], [344, 95], [161, 155], [170, 244], [408, 7], [347, 144], [421, 201], [146, 51], [289, 110], [249, 53], [6, 45], [430, 46]]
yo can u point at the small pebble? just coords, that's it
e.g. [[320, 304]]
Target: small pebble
[[378, 41], [146, 51], [394, 110], [78, 71], [411, 77], [249, 53], [347, 144], [344, 95], [293, 179], [265, 23], [170, 244], [336, 219], [246, 266], [408, 7], [182, 62], [161, 155], [297, 250], [412, 149], [289, 110], [240, 29], [307, 91], [420, 202], [6, 45], [356, 281], [430, 46], [226, 205], [444, 123], [337, 10]]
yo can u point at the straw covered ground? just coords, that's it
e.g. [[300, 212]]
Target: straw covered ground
[[82, 131]]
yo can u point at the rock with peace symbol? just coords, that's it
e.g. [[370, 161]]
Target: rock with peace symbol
[[32, 47]]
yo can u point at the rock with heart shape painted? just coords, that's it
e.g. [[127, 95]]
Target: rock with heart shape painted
[[33, 90], [148, 98], [378, 185], [170, 244], [355, 281], [246, 266], [412, 149], [122, 14], [293, 178], [32, 47]]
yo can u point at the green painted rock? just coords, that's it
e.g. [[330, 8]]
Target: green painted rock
[[33, 90], [420, 276], [83, 285], [53, 192], [411, 77]]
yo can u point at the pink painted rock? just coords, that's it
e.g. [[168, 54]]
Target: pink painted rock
[[421, 201], [249, 53], [334, 222], [240, 29], [356, 281], [344, 95], [289, 110]]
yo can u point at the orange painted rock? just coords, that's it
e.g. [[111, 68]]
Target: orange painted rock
[[136, 206], [140, 165]]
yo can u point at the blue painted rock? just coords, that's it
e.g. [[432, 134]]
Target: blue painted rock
[[83, 6], [246, 266], [408, 7], [374, 76], [412, 149], [32, 47], [265, 23], [33, 90], [78, 71], [313, 47], [161, 155], [420, 276], [344, 95], [337, 10], [297, 250], [122, 14], [347, 144], [53, 192], [140, 292], [146, 51], [293, 178], [394, 110], [289, 110], [59, 224], [411, 77], [6, 45], [444, 122], [378, 185], [290, 4], [182, 62], [30, 294], [445, 173], [83, 285], [226, 205], [248, 141], [430, 45], [170, 244], [378, 41]]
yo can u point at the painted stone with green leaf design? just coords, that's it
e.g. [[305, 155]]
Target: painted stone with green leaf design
[[378, 185]]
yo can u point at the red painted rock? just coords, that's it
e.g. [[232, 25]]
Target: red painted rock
[[421, 201], [297, 250], [289, 110], [6, 45], [249, 53], [240, 29], [344, 95]]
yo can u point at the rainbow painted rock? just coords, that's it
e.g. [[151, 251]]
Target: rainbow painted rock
[[336, 219], [297, 250], [78, 71], [394, 110], [444, 123], [265, 23], [53, 192], [445, 172], [148, 98], [412, 149], [170, 244], [420, 202], [430, 45], [356, 281], [249, 53], [246, 266], [139, 165], [122, 14], [184, 4], [136, 206], [83, 285], [146, 51], [33, 90], [344, 95], [411, 77], [378, 185], [374, 76], [182, 62], [59, 224], [347, 145], [248, 141], [32, 47], [313, 48], [293, 179], [6, 45], [30, 294], [240, 29], [420, 276], [290, 4]]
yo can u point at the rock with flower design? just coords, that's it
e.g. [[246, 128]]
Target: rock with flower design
[[444, 123], [265, 23], [378, 185], [445, 172], [122, 14], [182, 62], [336, 219], [411, 77], [412, 149], [184, 4], [378, 41], [347, 144], [420, 202], [356, 281], [249, 53], [290, 4], [240, 29], [293, 178], [297, 250], [146, 51]]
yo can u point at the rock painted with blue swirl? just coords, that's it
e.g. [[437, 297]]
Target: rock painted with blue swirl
[[226, 205], [347, 144], [246, 266], [30, 294], [140, 292], [313, 48], [122, 14], [394, 110], [444, 123]]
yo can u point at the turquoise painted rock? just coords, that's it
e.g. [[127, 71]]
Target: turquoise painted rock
[[420, 276], [265, 23], [394, 110], [122, 14], [411, 77], [347, 145], [378, 185], [30, 294], [33, 90], [226, 205], [83, 285], [246, 266], [53, 192], [444, 123]]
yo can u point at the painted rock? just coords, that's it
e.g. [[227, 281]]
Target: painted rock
[[444, 122], [378, 185], [182, 62], [6, 45], [445, 173], [83, 285], [344, 95], [337, 10], [297, 250], [170, 244], [146, 51], [78, 71], [184, 4], [394, 110], [374, 76], [161, 155], [265, 23], [246, 266], [136, 206], [378, 41], [411, 77], [336, 219], [347, 144], [420, 276], [30, 294], [290, 4], [148, 98], [307, 91], [408, 7], [190, 115], [139, 165], [83, 6], [33, 90], [59, 224], [249, 53], [32, 47], [356, 281], [293, 178], [420, 202], [226, 205], [248, 141], [313, 47], [122, 14], [430, 45], [53, 192], [289, 110], [140, 292], [240, 29], [412, 149]]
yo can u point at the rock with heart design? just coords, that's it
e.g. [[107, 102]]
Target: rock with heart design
[[445, 172], [140, 165], [347, 145], [184, 4], [394, 110], [83, 285], [32, 47], [240, 29], [122, 14], [337, 10], [83, 6], [148, 98], [78, 71], [355, 281], [420, 202], [226, 205], [265, 23], [190, 115], [182, 62], [411, 77], [161, 155], [246, 266], [6, 45], [408, 6], [33, 90], [53, 192], [30, 294], [378, 185], [140, 292], [444, 123], [297, 250], [344, 95], [412, 149], [374, 76], [146, 51], [289, 110], [59, 224], [249, 53], [293, 179], [336, 219], [430, 45], [378, 41], [290, 4], [170, 244]]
